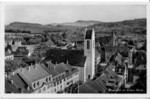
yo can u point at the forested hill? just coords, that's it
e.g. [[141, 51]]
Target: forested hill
[[126, 26]]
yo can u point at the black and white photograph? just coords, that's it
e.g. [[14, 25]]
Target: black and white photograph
[[75, 48]]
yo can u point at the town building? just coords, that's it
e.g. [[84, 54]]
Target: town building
[[41, 78], [8, 52], [84, 60]]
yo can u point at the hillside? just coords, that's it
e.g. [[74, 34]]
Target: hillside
[[136, 26], [126, 26], [81, 23]]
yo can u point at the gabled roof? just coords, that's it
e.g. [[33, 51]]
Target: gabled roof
[[9, 88], [50, 69], [34, 73], [74, 57], [19, 85], [60, 68], [8, 47], [88, 34], [96, 86], [110, 72], [84, 88], [114, 49]]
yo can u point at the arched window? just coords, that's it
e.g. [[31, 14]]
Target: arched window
[[46, 79], [38, 83], [49, 78], [34, 85]]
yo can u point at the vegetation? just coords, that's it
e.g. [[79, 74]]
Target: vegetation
[[11, 66]]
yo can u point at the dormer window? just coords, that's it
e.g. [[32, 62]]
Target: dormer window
[[67, 71], [34, 85], [46, 79], [38, 83], [49, 78]]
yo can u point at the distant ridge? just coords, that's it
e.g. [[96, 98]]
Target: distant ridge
[[125, 25]]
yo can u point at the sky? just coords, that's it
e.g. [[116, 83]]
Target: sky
[[46, 14]]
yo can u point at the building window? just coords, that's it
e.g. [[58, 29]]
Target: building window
[[89, 76], [34, 85], [54, 84], [67, 83], [88, 44], [46, 79], [38, 83]]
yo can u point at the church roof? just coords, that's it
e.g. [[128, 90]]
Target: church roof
[[74, 57], [88, 34]]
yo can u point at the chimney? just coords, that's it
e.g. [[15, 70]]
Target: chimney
[[67, 62], [34, 66], [28, 88], [13, 73], [21, 69], [12, 82], [56, 63], [21, 90], [29, 68]]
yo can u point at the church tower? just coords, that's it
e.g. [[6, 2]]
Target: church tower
[[89, 52], [113, 38]]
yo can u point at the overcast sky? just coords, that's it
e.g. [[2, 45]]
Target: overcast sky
[[46, 14]]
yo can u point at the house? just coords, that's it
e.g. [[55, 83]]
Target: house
[[63, 75], [9, 56], [21, 52], [9, 53], [108, 81], [109, 51], [41, 78]]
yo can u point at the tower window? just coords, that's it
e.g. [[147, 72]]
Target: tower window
[[88, 44], [89, 77]]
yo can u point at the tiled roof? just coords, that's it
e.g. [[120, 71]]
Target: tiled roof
[[84, 88], [101, 83], [8, 47], [88, 34], [60, 68], [96, 85], [114, 49], [50, 69], [74, 57], [19, 85], [9, 88], [34, 73], [110, 72]]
